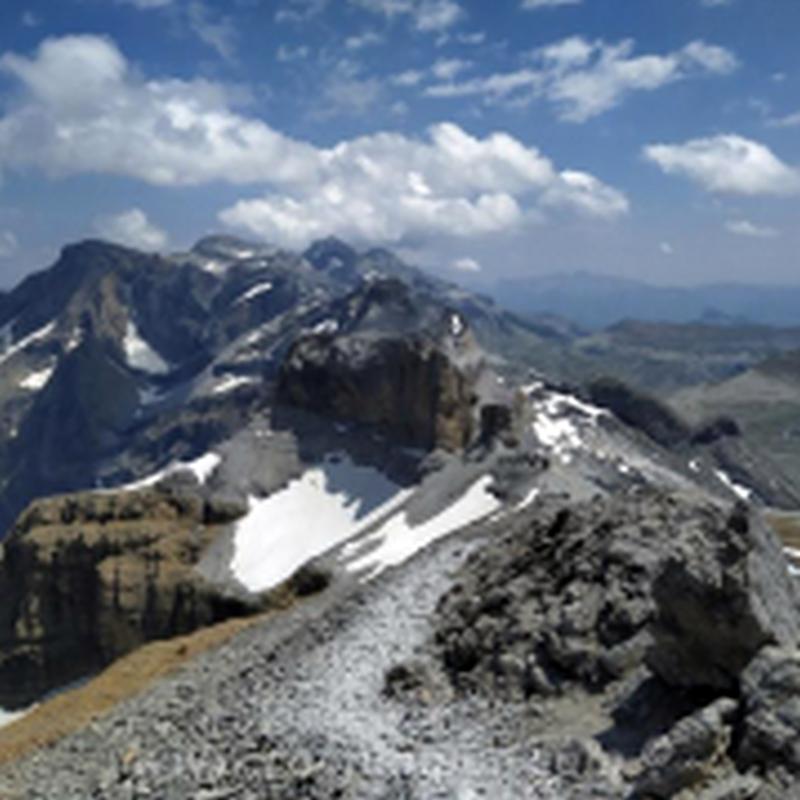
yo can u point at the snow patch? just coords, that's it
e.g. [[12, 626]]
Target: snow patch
[[140, 355], [254, 291], [7, 717], [397, 540], [560, 419], [694, 465], [17, 347], [456, 325], [231, 382], [324, 507], [740, 491], [37, 380], [201, 468], [328, 327], [529, 498], [74, 341]]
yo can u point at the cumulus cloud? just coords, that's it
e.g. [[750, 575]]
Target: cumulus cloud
[[727, 164], [82, 109], [743, 227], [582, 192], [131, 228], [8, 244], [584, 79], [395, 189]]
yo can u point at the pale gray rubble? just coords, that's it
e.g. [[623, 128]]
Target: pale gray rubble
[[296, 708]]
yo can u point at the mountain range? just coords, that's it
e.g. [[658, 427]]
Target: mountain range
[[595, 300], [474, 548]]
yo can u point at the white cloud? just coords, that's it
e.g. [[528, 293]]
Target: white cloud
[[411, 77], [445, 69], [743, 227], [533, 5], [286, 54], [30, 19], [437, 15], [219, 33], [366, 39], [666, 248], [8, 244], [582, 192], [727, 164], [585, 85], [300, 11], [346, 90], [131, 228], [584, 79], [476, 38], [84, 110], [398, 190], [789, 121], [428, 16], [465, 265], [214, 30]]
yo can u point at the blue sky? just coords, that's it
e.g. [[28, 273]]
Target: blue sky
[[644, 138]]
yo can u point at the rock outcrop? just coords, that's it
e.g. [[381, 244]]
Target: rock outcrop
[[86, 578], [681, 613], [405, 386]]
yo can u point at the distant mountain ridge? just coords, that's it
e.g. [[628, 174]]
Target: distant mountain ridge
[[597, 301]]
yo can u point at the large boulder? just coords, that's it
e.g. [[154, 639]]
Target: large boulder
[[587, 594], [722, 593]]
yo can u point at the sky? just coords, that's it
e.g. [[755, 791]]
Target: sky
[[651, 139]]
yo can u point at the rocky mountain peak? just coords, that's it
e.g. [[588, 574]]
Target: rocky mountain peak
[[331, 254]]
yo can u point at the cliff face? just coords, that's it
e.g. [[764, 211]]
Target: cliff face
[[405, 386], [86, 578]]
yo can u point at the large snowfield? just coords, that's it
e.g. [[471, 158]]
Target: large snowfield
[[326, 506]]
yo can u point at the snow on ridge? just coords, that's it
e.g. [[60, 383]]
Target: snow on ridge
[[140, 355], [37, 380], [397, 540], [560, 420], [230, 382], [328, 327], [254, 291], [327, 505], [7, 717], [740, 491], [201, 468], [17, 347]]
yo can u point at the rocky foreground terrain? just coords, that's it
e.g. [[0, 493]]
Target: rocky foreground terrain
[[482, 580], [642, 646]]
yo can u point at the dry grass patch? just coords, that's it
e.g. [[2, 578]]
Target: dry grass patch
[[787, 525], [75, 709]]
